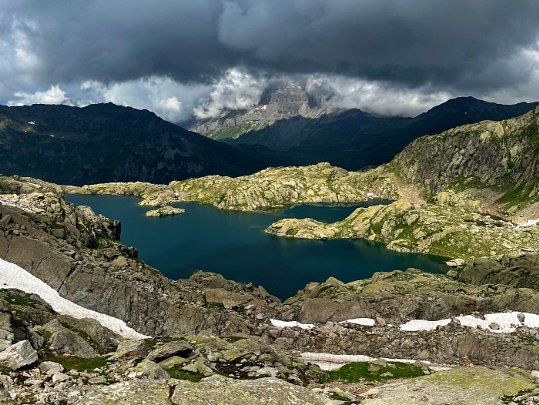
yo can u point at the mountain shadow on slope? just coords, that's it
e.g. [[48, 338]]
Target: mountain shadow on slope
[[106, 142]]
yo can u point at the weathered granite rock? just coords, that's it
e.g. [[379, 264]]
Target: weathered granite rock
[[179, 348], [50, 367], [129, 348], [152, 370], [133, 392], [263, 391], [60, 339], [500, 155], [165, 211], [402, 295], [91, 268], [446, 231], [471, 386], [518, 271], [18, 355], [103, 339], [6, 331]]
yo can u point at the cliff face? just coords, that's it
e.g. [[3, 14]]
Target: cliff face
[[281, 101]]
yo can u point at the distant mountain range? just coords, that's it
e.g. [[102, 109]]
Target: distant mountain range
[[302, 132], [105, 142]]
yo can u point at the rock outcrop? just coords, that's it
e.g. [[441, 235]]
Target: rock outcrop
[[165, 211], [442, 230], [459, 386]]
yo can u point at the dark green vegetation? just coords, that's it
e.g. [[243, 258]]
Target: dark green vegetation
[[176, 372], [77, 363], [105, 142], [374, 371], [354, 139]]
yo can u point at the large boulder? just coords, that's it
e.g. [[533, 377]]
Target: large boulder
[[129, 348], [18, 355], [60, 339], [179, 348], [152, 370], [103, 339], [263, 391]]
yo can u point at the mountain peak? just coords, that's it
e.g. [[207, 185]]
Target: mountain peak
[[280, 100]]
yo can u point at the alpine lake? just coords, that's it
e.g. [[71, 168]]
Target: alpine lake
[[235, 245]]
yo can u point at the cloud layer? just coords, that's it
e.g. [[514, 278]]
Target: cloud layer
[[180, 57]]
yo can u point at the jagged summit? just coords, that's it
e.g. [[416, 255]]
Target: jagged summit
[[281, 100], [285, 100]]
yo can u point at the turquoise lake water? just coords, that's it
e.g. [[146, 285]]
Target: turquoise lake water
[[234, 244]]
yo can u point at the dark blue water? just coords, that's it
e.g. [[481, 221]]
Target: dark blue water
[[234, 245]]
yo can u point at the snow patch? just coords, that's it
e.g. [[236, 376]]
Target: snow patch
[[329, 361], [361, 321], [13, 276], [530, 222], [499, 322], [506, 321], [291, 324], [416, 325], [32, 122]]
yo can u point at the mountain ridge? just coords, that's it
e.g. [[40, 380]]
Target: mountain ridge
[[354, 139], [77, 145]]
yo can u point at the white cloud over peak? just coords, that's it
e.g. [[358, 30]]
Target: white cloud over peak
[[236, 89], [170, 100], [54, 95]]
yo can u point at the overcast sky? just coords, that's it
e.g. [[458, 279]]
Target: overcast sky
[[181, 58]]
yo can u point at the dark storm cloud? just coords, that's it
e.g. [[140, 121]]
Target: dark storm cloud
[[121, 40], [447, 44]]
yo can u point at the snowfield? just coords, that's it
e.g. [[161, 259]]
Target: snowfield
[[530, 222], [500, 322], [13, 276]]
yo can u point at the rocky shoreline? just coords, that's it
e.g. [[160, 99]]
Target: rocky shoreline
[[227, 326]]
